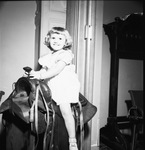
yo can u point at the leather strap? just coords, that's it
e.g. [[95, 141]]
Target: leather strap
[[34, 115]]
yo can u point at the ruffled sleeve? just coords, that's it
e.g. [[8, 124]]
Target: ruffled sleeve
[[66, 56]]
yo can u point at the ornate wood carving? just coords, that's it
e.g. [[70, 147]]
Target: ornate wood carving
[[126, 41]]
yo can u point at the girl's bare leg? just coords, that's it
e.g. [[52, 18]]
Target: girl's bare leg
[[70, 124]]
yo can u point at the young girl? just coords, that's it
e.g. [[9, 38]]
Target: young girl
[[59, 73]]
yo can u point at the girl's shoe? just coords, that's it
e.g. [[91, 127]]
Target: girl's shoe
[[73, 144]]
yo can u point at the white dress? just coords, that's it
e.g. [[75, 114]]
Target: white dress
[[65, 86]]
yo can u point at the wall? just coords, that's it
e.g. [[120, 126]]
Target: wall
[[130, 72], [17, 35]]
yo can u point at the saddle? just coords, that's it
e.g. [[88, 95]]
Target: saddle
[[24, 95], [23, 98]]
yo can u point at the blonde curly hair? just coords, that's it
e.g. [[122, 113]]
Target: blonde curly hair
[[59, 30]]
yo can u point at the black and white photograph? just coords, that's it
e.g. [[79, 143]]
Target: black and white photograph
[[71, 75]]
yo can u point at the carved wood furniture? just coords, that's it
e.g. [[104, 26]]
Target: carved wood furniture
[[126, 42]]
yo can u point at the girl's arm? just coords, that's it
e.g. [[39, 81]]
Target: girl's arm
[[50, 72], [53, 71]]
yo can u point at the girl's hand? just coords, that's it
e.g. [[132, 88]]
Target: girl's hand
[[35, 74]]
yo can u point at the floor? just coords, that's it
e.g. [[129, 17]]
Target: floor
[[139, 146]]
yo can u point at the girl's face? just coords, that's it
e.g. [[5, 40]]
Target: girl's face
[[57, 41]]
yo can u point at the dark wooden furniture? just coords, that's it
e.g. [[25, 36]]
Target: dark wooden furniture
[[126, 42], [136, 113]]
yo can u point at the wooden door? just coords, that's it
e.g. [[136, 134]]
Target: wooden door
[[53, 13]]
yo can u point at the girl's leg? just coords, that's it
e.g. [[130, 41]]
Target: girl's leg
[[70, 124]]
